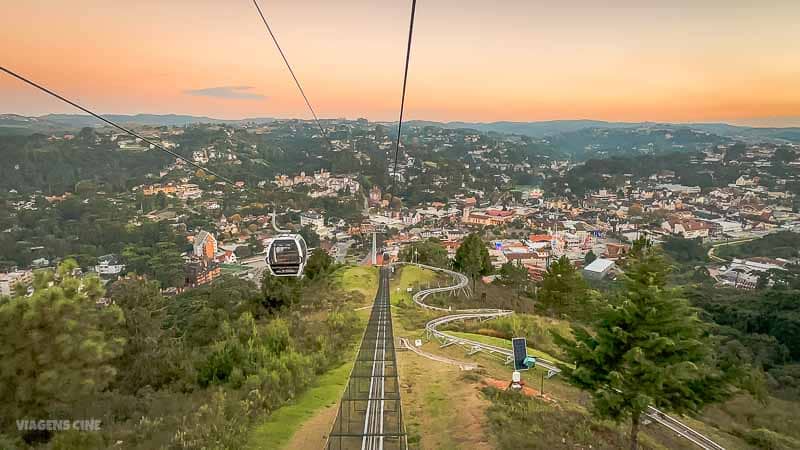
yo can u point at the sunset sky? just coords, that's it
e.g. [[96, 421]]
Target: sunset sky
[[520, 60]]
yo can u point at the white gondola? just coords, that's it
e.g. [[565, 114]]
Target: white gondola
[[287, 255]]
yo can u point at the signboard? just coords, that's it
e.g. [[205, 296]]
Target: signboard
[[520, 346]]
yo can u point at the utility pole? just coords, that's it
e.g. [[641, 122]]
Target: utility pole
[[374, 249]]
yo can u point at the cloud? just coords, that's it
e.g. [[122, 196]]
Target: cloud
[[233, 92]]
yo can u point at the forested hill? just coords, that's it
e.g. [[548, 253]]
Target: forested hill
[[34, 163], [555, 127], [17, 124]]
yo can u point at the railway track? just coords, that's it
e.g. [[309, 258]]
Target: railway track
[[460, 282], [370, 414]]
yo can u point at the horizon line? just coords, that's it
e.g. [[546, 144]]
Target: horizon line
[[730, 122]]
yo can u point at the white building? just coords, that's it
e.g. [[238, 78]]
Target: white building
[[727, 227], [744, 273], [312, 219], [598, 269], [678, 188], [8, 281], [108, 265]]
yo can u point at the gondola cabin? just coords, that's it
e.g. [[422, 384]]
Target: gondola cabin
[[287, 255]]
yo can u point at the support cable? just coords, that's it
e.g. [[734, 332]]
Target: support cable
[[402, 101], [115, 125], [294, 77]]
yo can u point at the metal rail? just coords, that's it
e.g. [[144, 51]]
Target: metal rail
[[370, 414], [461, 281]]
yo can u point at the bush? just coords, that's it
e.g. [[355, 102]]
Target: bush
[[769, 440], [518, 422]]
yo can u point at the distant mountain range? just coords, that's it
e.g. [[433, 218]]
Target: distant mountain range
[[13, 123], [555, 127], [16, 124]]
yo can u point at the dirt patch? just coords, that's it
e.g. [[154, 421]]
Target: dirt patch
[[527, 390], [441, 410], [313, 433]]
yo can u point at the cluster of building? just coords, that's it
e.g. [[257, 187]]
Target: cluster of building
[[10, 280], [184, 190], [746, 273], [531, 229], [320, 184]]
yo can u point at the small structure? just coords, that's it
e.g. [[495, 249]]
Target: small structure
[[10, 280], [312, 219], [205, 246], [108, 265], [598, 269], [199, 273]]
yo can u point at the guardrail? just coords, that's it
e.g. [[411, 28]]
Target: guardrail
[[462, 281], [682, 429]]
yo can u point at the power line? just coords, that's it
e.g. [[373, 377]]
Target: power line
[[114, 124], [402, 100], [296, 81]]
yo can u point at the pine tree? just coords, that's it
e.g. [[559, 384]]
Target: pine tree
[[563, 288], [318, 264], [472, 258], [514, 275], [430, 252], [589, 258], [648, 348], [56, 346]]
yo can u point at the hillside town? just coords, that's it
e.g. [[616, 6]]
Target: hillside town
[[525, 203]]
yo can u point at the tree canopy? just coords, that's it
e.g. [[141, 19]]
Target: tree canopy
[[430, 252], [472, 258], [56, 346], [563, 290], [647, 347]]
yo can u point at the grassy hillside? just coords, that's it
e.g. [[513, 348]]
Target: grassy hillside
[[312, 413]]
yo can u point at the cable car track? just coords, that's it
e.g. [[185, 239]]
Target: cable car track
[[370, 414]]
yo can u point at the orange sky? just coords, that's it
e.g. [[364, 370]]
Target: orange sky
[[520, 60]]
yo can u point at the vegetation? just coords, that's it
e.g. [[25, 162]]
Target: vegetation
[[472, 258], [278, 429], [190, 372], [762, 327], [685, 250], [583, 178], [412, 277], [429, 252], [319, 264], [311, 237], [361, 279], [515, 276], [36, 163], [522, 422], [563, 290], [56, 346], [538, 331], [589, 258], [648, 348], [783, 244]]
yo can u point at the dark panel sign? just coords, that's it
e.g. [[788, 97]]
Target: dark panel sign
[[520, 347]]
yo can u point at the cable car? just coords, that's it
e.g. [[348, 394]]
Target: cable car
[[287, 255]]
